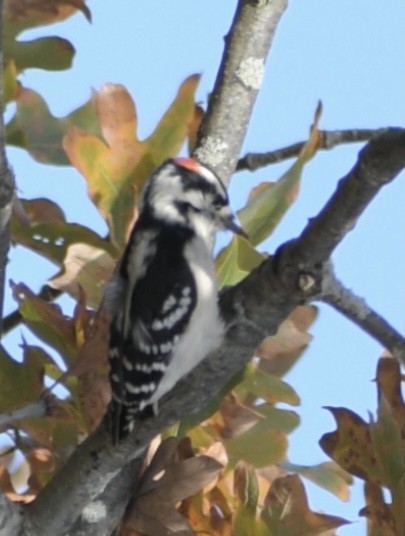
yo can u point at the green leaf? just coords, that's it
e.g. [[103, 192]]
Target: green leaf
[[47, 322], [269, 387], [21, 383], [389, 448], [328, 476], [50, 53], [53, 238], [280, 419], [260, 446], [236, 261], [246, 489], [35, 129], [268, 202], [10, 82]]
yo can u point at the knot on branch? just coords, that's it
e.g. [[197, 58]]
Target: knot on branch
[[299, 274]]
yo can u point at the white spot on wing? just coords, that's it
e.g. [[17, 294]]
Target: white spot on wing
[[127, 364], [113, 353], [137, 389], [145, 348], [169, 303]]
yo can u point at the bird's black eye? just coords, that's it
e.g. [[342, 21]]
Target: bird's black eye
[[219, 202], [185, 206]]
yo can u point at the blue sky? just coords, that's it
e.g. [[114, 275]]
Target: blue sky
[[348, 54]]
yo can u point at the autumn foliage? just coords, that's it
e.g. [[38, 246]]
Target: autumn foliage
[[225, 470]]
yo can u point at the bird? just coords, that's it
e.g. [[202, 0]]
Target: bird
[[163, 297]]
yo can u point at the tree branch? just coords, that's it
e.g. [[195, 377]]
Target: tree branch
[[378, 163], [6, 184], [253, 309], [45, 405], [10, 517], [101, 516], [10, 513], [328, 140], [356, 309], [238, 82]]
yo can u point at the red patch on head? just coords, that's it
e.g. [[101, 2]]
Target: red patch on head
[[188, 163]]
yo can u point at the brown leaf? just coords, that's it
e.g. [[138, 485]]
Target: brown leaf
[[237, 417], [194, 126], [88, 267], [217, 451], [281, 351], [380, 518], [7, 488], [350, 446], [44, 11], [286, 511], [389, 389], [46, 321], [91, 366], [42, 463], [117, 116], [43, 210], [246, 485], [164, 483], [37, 210]]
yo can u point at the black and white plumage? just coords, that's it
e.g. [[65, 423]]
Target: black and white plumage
[[163, 298]]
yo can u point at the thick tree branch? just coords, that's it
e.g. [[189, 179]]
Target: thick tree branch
[[238, 82], [253, 310], [378, 163], [10, 517], [356, 309], [328, 140], [100, 517], [10, 513], [6, 184]]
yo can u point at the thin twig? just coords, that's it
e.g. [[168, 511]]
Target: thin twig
[[36, 409], [358, 311], [328, 140], [44, 406]]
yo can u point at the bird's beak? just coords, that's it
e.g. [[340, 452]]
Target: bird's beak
[[229, 223]]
